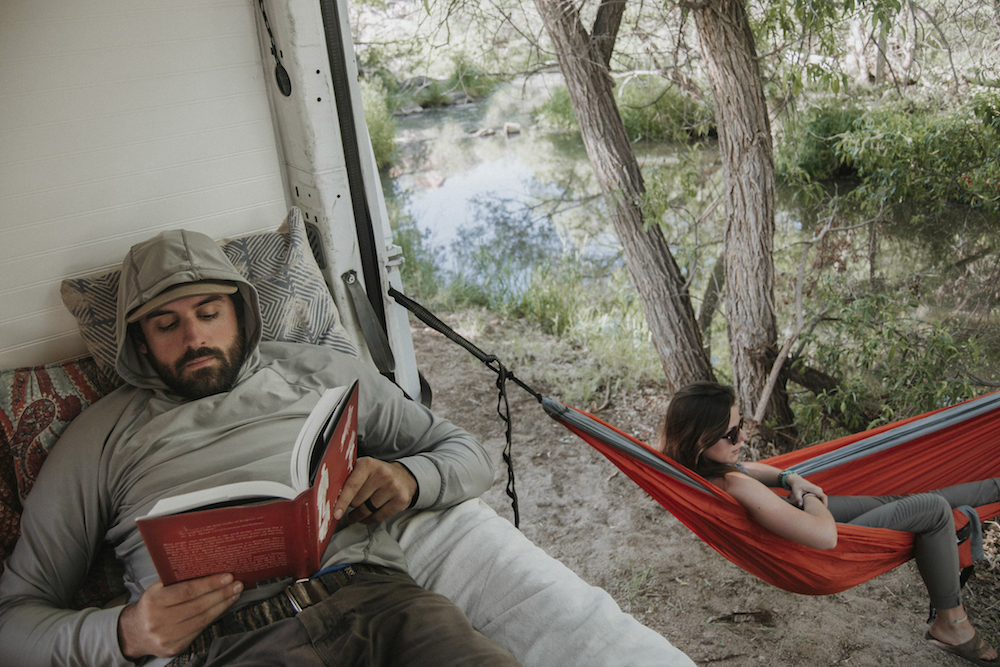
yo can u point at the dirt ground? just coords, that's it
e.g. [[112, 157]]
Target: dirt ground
[[581, 510]]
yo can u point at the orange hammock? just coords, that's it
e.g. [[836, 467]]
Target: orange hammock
[[957, 444], [949, 446]]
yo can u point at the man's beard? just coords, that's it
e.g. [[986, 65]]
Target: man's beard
[[204, 381]]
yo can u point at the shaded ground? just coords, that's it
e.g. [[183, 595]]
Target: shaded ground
[[580, 509]]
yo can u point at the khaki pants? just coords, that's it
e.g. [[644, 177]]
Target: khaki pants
[[376, 620]]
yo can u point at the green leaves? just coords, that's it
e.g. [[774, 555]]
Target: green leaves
[[929, 155], [890, 363]]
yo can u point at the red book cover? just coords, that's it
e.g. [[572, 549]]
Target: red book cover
[[262, 530]]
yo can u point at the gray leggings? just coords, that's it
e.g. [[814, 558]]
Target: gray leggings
[[929, 516]]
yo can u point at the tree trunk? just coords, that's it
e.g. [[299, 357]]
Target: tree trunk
[[748, 167], [710, 300], [584, 60]]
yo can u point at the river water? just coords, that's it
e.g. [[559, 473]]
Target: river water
[[489, 163], [528, 192]]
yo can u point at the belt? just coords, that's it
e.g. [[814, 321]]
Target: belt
[[300, 595]]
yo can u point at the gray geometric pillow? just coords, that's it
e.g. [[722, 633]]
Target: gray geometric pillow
[[296, 305]]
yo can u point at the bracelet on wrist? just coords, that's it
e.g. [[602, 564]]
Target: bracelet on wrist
[[783, 479]]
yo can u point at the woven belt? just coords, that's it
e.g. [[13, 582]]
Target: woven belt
[[296, 597]]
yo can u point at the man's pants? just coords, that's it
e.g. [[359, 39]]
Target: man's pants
[[378, 619]]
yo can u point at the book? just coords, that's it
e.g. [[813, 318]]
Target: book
[[261, 530]]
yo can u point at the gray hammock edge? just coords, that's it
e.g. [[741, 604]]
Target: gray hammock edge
[[616, 440], [898, 435], [857, 450]]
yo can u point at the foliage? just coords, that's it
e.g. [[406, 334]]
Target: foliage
[[419, 272], [587, 327], [904, 153], [655, 111], [464, 80], [557, 111], [889, 362], [381, 126], [806, 38], [495, 258], [926, 155], [808, 149], [512, 264], [470, 78], [650, 108]]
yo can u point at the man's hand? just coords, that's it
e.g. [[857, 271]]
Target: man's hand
[[375, 490], [166, 619]]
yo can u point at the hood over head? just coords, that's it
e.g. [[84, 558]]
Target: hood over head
[[169, 266]]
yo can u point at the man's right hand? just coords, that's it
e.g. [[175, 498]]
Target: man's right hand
[[166, 619]]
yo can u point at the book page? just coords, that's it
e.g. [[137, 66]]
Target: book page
[[226, 493], [311, 441]]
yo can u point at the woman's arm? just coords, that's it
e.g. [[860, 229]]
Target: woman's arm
[[771, 476], [812, 525]]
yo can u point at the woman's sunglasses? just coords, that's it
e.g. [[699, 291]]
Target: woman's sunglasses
[[733, 434]]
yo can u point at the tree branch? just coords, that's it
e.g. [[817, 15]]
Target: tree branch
[[800, 323], [605, 32]]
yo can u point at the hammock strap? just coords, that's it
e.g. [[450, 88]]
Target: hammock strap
[[433, 322], [493, 363], [975, 532]]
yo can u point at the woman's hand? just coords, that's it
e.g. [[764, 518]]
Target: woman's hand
[[799, 485]]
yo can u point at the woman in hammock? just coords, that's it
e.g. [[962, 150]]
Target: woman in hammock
[[702, 430]]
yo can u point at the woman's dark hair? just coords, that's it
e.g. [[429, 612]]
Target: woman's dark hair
[[696, 419]]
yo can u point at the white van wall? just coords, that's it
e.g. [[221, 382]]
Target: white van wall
[[116, 122], [121, 120]]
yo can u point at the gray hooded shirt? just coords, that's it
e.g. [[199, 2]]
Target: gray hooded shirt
[[142, 443]]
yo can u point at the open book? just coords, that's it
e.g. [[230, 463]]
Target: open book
[[261, 530]]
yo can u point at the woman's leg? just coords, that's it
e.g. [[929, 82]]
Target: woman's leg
[[974, 494], [929, 516]]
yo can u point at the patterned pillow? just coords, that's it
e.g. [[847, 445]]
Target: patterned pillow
[[36, 406], [295, 303]]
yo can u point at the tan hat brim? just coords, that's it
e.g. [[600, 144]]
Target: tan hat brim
[[179, 292]]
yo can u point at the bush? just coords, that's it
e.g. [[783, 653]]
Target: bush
[[890, 364], [557, 111], [809, 146], [470, 79], [381, 125], [656, 111], [650, 109], [910, 154]]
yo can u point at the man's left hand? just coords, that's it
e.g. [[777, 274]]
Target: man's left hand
[[374, 491]]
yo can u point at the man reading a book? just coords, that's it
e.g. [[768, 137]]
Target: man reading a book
[[206, 403]]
